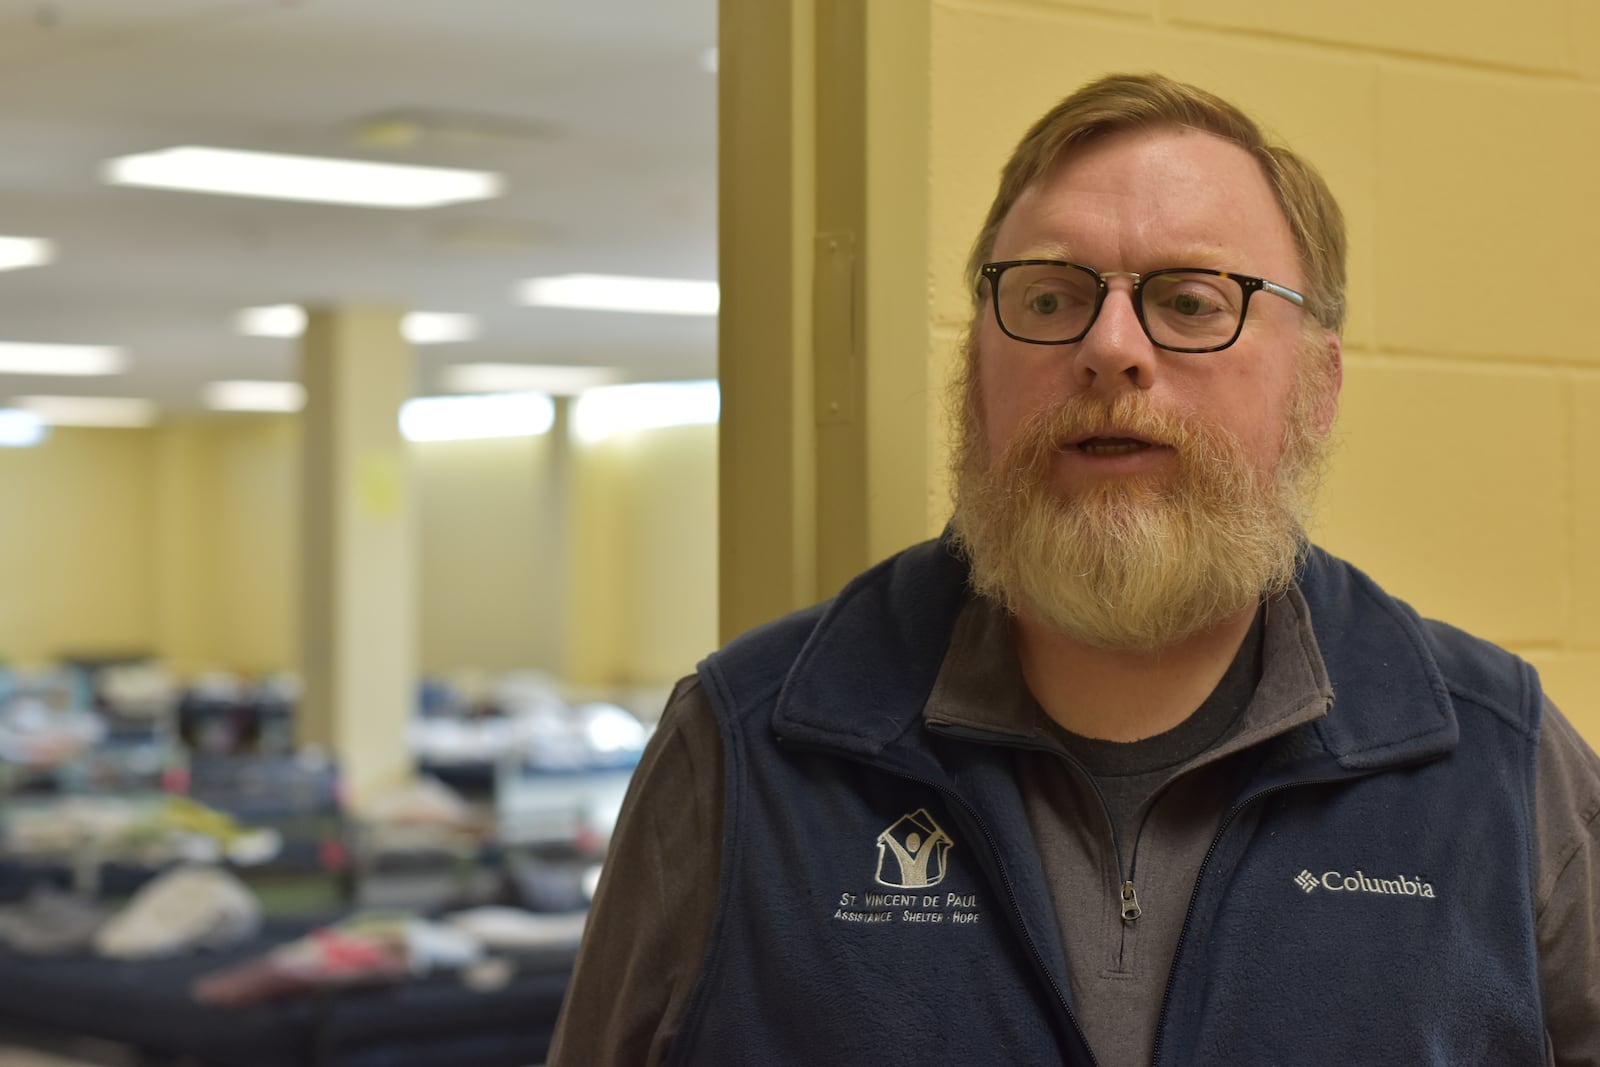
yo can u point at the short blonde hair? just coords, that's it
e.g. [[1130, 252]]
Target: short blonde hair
[[1121, 102]]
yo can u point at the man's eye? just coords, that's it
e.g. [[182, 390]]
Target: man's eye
[[1195, 301], [1041, 303]]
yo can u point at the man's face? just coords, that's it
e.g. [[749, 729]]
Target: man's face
[[1140, 201], [1123, 493]]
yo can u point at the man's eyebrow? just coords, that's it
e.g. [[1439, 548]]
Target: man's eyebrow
[[1200, 256], [1048, 250], [1187, 255]]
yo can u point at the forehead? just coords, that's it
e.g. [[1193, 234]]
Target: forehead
[[1142, 199]]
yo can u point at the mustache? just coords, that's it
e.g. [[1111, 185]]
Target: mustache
[[1052, 428]]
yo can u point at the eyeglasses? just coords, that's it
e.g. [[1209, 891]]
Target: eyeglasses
[[1182, 309]]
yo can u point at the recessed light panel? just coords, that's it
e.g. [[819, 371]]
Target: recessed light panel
[[19, 252], [275, 320], [26, 357], [438, 327], [255, 396], [518, 377], [615, 409], [615, 292], [312, 179], [460, 418]]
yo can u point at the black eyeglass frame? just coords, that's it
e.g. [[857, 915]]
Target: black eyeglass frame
[[1247, 282]]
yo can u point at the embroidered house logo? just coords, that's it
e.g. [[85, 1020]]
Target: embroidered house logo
[[1335, 882], [912, 852]]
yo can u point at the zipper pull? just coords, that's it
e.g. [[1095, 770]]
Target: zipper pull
[[1130, 903]]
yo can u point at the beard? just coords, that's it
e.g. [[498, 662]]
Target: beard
[[1136, 563]]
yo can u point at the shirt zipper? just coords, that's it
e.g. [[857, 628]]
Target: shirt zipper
[[1130, 902], [1128, 897], [1005, 879]]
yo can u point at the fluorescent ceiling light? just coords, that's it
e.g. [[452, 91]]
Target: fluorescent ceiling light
[[460, 418], [21, 429], [64, 360], [198, 169], [613, 292], [519, 377], [254, 396], [277, 320], [438, 327], [418, 327], [89, 410], [19, 252], [614, 409]]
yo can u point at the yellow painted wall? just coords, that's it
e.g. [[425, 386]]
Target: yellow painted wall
[[491, 554], [226, 543], [186, 547], [75, 544], [168, 540], [670, 550], [1464, 143], [645, 555], [255, 597], [597, 581], [594, 563]]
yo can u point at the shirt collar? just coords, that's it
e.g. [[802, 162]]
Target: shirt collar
[[980, 684]]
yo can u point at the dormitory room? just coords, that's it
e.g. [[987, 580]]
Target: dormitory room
[[360, 413]]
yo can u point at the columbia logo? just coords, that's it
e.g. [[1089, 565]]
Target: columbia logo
[[1361, 882]]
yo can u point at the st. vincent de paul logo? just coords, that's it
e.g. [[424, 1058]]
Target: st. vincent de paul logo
[[912, 853]]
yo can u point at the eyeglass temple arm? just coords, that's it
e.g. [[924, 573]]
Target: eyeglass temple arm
[[1288, 294]]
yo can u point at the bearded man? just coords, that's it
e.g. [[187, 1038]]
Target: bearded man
[[1121, 770]]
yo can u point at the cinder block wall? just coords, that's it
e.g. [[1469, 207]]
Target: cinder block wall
[[1463, 141]]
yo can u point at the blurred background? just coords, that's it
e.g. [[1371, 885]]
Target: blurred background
[[356, 524], [203, 349], [176, 533]]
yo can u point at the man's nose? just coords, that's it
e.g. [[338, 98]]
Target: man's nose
[[1115, 353]]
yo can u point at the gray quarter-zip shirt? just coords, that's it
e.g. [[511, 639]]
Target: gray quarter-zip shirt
[[1121, 897]]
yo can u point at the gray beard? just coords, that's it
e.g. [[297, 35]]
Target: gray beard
[[1136, 566]]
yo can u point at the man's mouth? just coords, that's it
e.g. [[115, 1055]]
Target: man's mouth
[[1110, 446]]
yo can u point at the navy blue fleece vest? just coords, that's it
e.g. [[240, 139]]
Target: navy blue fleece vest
[[1367, 900]]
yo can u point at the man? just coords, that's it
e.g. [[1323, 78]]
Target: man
[[1120, 764]]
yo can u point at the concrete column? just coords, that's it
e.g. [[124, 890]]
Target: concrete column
[[359, 598], [766, 220], [823, 348]]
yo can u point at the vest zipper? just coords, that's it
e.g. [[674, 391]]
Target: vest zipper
[[1016, 907], [1194, 894], [1020, 921]]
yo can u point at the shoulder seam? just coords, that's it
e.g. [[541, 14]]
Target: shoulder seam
[[1493, 706]]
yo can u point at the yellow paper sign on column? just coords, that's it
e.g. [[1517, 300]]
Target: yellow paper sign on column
[[379, 488]]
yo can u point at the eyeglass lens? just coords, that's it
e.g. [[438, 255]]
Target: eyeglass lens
[[1051, 304]]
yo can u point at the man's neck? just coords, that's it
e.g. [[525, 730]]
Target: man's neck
[[1124, 695]]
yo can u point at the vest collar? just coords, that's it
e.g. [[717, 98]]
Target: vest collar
[[1391, 704], [862, 679]]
